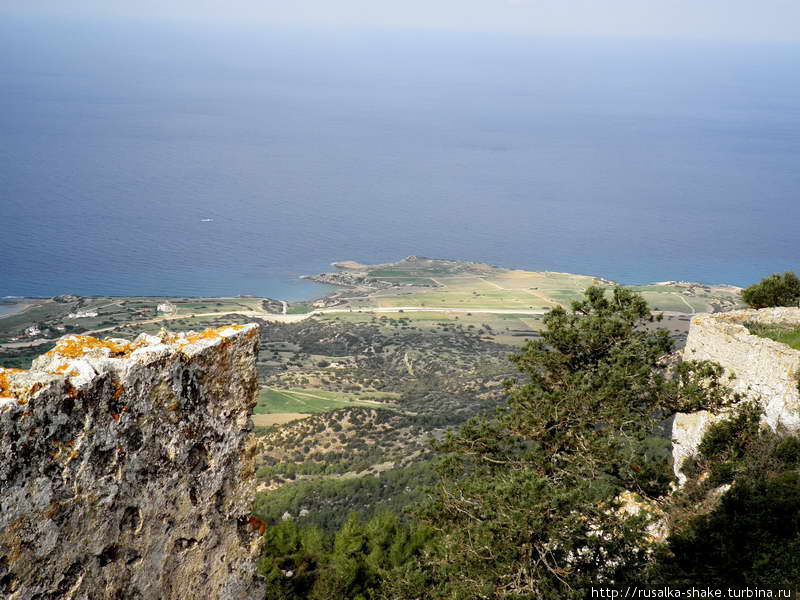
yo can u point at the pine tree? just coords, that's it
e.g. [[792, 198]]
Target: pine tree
[[527, 505]]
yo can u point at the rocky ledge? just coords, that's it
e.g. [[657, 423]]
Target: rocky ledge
[[126, 469], [758, 368]]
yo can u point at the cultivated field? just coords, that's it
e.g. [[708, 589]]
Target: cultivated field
[[427, 283]]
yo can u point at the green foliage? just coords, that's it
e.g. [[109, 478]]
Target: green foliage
[[751, 539], [303, 562], [788, 451], [21, 358], [527, 503], [775, 290], [329, 500], [751, 536], [291, 560], [725, 445]]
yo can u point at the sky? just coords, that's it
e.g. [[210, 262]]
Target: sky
[[729, 20]]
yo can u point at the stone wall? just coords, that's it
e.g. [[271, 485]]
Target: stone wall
[[126, 469], [757, 367]]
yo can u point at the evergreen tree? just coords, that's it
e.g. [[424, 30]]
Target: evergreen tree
[[527, 505], [303, 563], [775, 290]]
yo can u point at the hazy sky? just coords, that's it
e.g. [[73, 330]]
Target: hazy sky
[[743, 20]]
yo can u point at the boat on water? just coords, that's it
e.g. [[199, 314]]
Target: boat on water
[[206, 220]]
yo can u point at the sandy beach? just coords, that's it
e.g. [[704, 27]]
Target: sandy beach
[[6, 310]]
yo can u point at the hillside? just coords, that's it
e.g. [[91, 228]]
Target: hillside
[[354, 386]]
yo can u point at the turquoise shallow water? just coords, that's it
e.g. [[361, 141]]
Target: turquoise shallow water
[[638, 161], [7, 309]]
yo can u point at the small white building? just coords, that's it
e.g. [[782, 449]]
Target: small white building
[[82, 314], [166, 307], [33, 330]]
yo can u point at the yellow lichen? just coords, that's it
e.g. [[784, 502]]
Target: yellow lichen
[[5, 383], [208, 334], [75, 346]]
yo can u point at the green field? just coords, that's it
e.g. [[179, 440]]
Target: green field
[[472, 285], [312, 401]]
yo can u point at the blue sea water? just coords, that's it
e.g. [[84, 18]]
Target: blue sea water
[[634, 160]]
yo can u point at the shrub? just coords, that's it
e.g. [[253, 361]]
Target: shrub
[[752, 538], [775, 290]]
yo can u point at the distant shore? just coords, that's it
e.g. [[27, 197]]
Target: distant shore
[[13, 307]]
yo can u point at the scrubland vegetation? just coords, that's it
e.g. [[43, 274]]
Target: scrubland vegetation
[[472, 455], [527, 502]]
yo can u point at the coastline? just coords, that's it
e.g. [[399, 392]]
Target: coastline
[[14, 308], [352, 276]]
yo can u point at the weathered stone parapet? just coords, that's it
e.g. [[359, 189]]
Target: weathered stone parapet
[[757, 367], [126, 469]]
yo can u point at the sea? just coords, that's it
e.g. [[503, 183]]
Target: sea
[[187, 159]]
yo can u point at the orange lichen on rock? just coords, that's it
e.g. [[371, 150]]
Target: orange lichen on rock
[[62, 370], [208, 334], [211, 334], [64, 450], [75, 346], [5, 384], [92, 461]]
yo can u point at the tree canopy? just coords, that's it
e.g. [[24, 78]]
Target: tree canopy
[[774, 290], [535, 502], [528, 504]]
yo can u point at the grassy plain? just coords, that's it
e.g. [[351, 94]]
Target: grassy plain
[[428, 283]]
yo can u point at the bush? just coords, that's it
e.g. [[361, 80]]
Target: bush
[[775, 290], [301, 562], [752, 538]]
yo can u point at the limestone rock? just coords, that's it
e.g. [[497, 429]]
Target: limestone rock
[[757, 367], [127, 469]]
